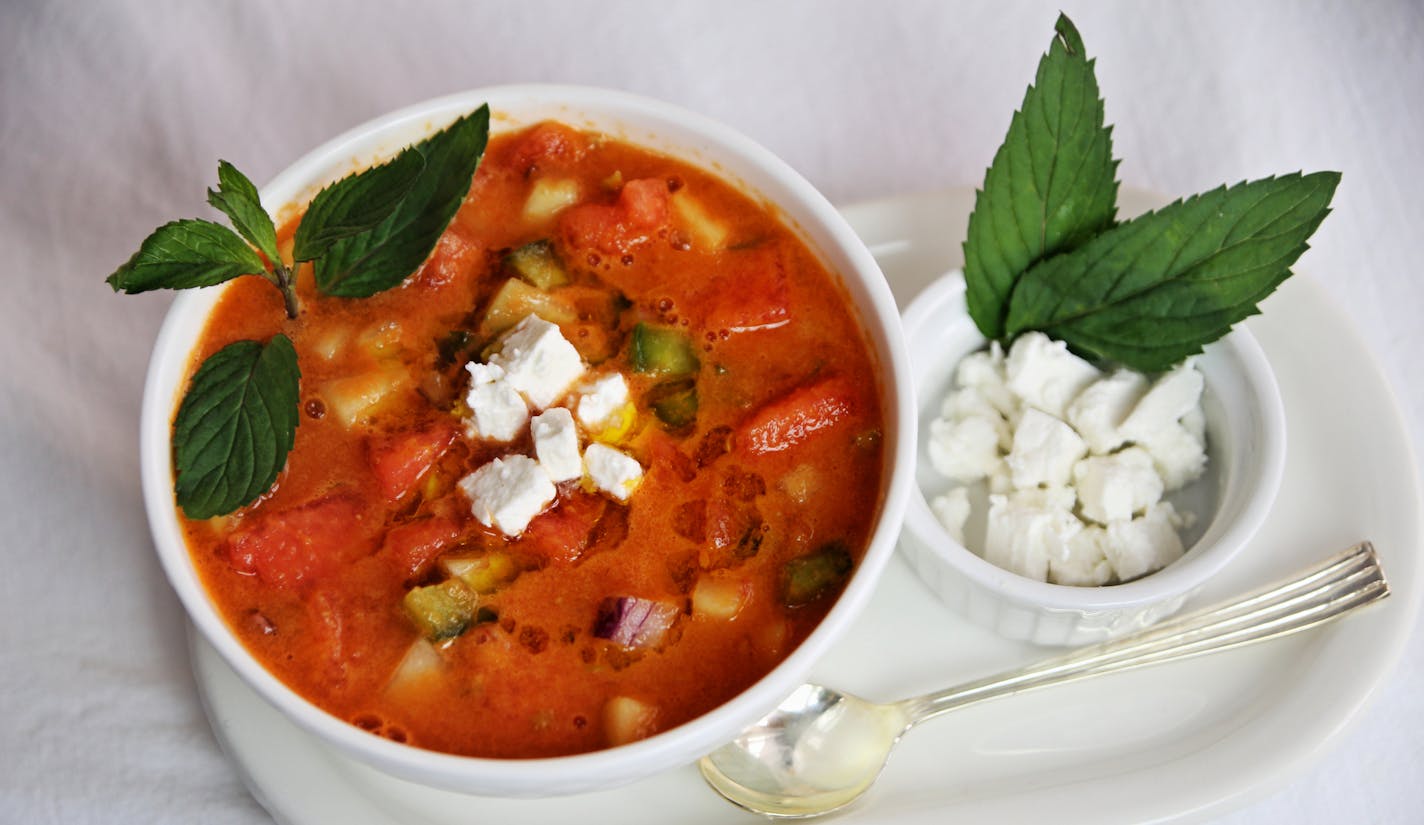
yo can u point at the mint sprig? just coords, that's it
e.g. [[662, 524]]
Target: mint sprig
[[365, 233], [1051, 185], [1146, 293]]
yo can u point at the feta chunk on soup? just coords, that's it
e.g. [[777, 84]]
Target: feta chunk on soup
[[692, 408]]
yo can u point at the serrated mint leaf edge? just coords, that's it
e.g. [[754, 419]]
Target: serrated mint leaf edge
[[237, 197], [253, 390], [154, 267], [346, 207]]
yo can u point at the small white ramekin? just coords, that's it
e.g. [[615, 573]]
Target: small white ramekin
[[663, 128], [1246, 445]]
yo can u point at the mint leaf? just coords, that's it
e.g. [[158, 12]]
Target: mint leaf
[[186, 254], [1051, 185], [387, 254], [237, 198], [1152, 291], [355, 204], [235, 426]]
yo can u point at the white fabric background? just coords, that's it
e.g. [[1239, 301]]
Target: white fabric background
[[112, 115]]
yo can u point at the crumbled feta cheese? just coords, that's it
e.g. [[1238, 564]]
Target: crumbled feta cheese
[[1027, 528], [600, 400], [1044, 451], [1085, 563], [1178, 456], [497, 410], [508, 493], [1114, 487], [984, 372], [556, 443], [538, 361], [952, 510], [1145, 544], [1098, 411], [966, 449], [612, 471], [1172, 396], [1045, 374]]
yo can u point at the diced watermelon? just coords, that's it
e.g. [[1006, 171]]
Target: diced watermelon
[[401, 459], [455, 259], [412, 547], [548, 142], [293, 547], [561, 534], [614, 229], [789, 420], [752, 294]]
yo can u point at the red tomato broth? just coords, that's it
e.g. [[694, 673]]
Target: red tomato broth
[[535, 681]]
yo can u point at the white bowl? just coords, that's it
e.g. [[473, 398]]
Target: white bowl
[[651, 124], [1246, 445]]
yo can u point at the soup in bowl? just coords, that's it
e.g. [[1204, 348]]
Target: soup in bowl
[[587, 492]]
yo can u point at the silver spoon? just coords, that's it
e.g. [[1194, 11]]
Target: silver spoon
[[821, 749]]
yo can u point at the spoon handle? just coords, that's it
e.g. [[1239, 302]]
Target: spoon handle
[[1327, 591]]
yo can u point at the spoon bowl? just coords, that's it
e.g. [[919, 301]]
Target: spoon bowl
[[820, 749]]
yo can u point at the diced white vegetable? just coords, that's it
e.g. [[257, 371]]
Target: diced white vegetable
[[355, 399], [497, 411], [707, 232], [556, 443], [549, 197], [508, 493], [1114, 487], [612, 471], [801, 483], [420, 662], [626, 719], [1098, 411], [720, 598], [1045, 374], [538, 361], [1045, 450]]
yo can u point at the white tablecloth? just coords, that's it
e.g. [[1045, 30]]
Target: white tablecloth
[[112, 115]]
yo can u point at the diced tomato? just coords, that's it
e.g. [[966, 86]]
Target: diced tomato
[[791, 419], [665, 457], [645, 202], [614, 229], [562, 534], [303, 544], [401, 459], [412, 547], [549, 141], [455, 259], [751, 295]]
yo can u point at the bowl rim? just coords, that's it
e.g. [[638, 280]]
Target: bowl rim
[[800, 205], [1177, 578]]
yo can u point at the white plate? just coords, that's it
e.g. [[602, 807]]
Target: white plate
[[1178, 741]]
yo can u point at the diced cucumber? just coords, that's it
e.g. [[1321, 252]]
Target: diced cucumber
[[675, 404], [538, 264], [549, 197], [808, 578], [708, 232], [484, 573], [442, 611], [662, 351], [517, 299]]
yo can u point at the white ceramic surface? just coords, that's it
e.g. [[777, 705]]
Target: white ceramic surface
[[1246, 443], [650, 123], [1177, 743]]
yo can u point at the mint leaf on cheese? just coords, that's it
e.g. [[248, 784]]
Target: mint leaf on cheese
[[1050, 187], [1154, 290]]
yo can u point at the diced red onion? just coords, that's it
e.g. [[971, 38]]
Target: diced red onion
[[635, 623]]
